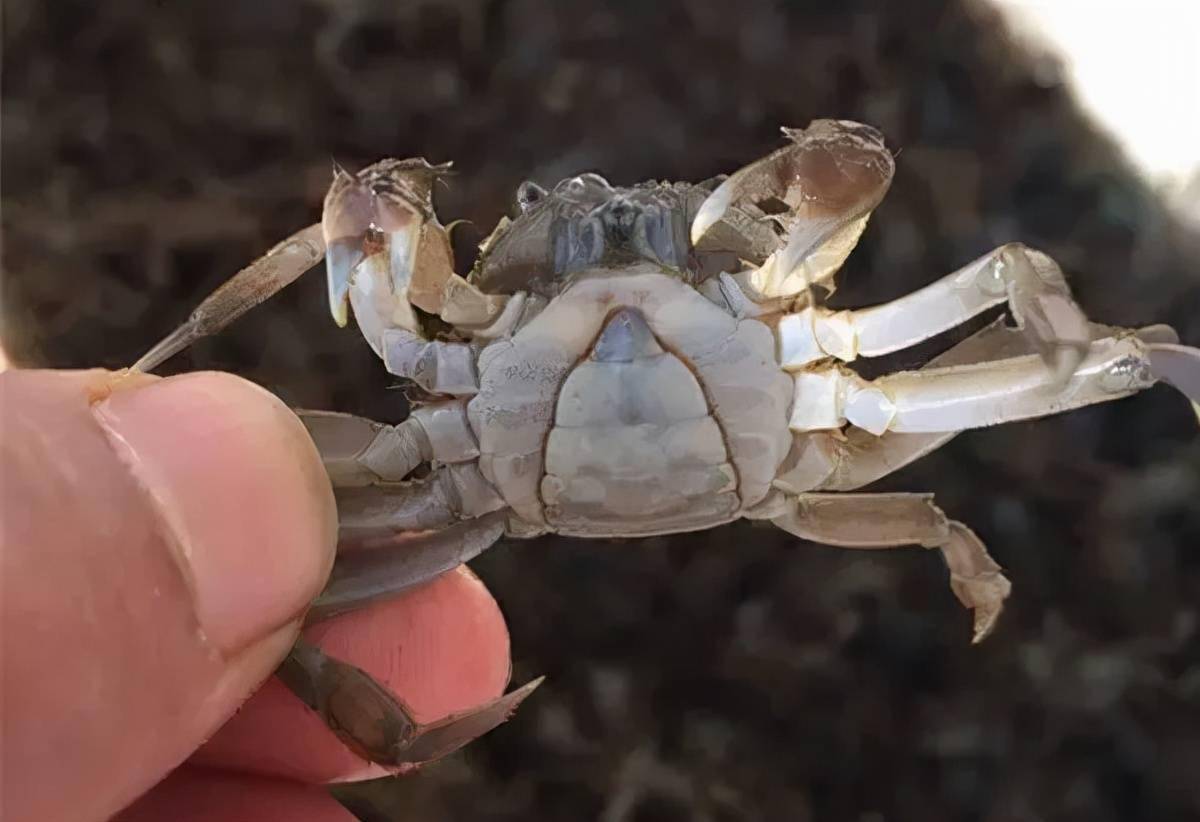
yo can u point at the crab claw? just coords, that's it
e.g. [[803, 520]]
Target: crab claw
[[820, 190], [384, 247]]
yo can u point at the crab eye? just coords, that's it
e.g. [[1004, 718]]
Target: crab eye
[[529, 194], [584, 187]]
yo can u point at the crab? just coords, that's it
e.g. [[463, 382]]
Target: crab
[[626, 362]]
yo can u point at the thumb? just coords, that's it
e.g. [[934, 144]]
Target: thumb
[[161, 538]]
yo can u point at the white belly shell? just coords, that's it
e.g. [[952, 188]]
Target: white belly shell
[[674, 419]]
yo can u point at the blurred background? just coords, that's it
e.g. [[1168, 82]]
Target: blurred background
[[150, 149]]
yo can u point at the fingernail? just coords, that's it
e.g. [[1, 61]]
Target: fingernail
[[239, 490]]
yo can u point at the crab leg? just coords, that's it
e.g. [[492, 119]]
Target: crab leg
[[367, 462], [263, 278], [375, 723], [450, 493], [358, 451], [366, 716], [896, 520], [387, 567], [1030, 282], [956, 398], [821, 461]]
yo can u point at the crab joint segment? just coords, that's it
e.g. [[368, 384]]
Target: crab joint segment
[[357, 451], [438, 367], [831, 397]]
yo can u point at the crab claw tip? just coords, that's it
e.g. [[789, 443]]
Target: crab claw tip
[[711, 211], [341, 258]]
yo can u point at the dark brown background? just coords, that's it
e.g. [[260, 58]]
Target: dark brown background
[[151, 149]]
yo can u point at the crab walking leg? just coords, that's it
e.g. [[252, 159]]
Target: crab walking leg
[[366, 716], [897, 520], [821, 461], [450, 493], [263, 278], [957, 398], [1029, 281], [375, 723], [358, 451], [390, 567]]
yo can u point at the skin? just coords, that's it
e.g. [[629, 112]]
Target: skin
[[161, 541]]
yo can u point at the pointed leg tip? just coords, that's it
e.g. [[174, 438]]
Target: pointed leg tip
[[984, 595], [448, 735], [167, 347], [513, 699], [528, 688], [985, 623]]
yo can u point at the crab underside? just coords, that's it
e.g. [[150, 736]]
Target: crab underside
[[655, 359]]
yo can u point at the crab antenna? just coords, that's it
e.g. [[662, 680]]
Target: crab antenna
[[263, 278]]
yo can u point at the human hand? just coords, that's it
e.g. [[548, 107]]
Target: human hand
[[161, 541]]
